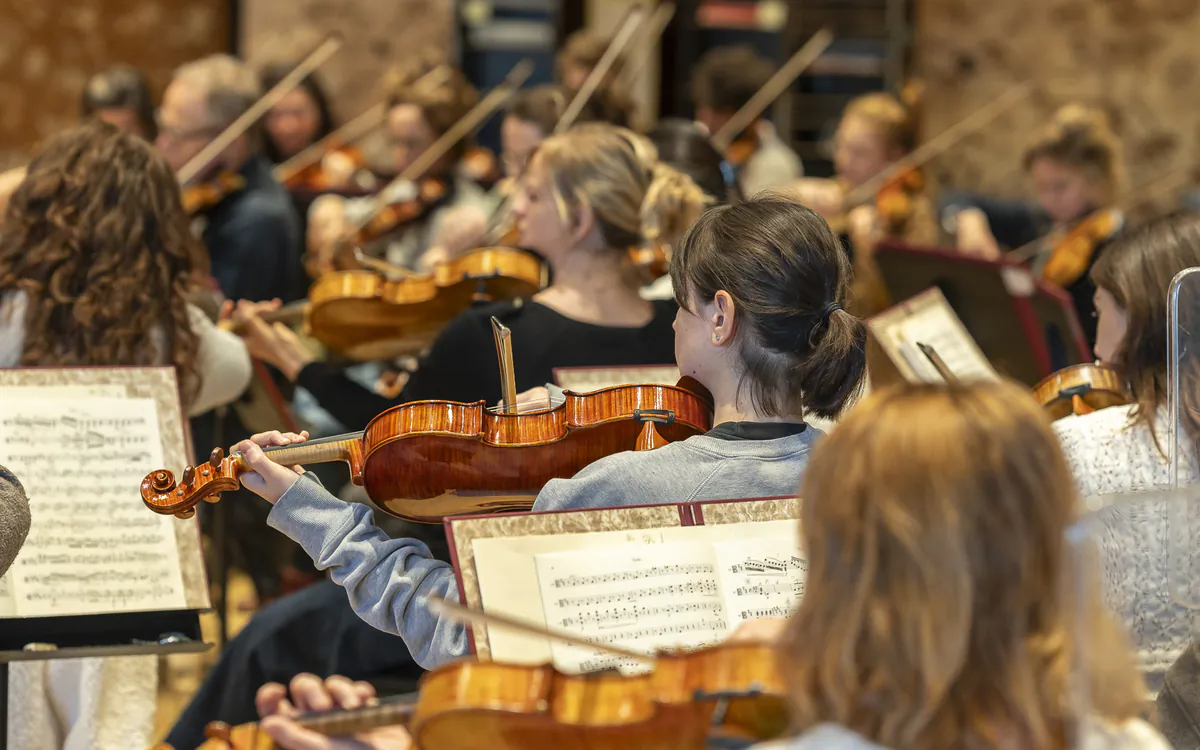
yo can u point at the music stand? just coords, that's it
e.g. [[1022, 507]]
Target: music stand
[[1027, 329]]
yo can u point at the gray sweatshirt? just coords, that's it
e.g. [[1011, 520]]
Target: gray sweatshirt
[[389, 581], [1098, 734]]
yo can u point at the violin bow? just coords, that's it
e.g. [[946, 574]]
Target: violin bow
[[624, 33], [351, 131], [940, 143], [238, 127], [469, 616], [459, 130], [770, 91], [654, 29], [938, 363], [508, 384]]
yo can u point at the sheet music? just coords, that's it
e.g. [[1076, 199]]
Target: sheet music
[[93, 546], [643, 598], [930, 325], [760, 577]]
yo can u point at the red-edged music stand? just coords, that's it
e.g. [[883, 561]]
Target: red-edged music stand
[[1028, 329]]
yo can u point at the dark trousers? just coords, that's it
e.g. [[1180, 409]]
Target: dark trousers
[[313, 630]]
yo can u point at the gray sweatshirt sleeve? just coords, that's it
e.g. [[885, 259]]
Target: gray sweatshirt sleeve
[[388, 580]]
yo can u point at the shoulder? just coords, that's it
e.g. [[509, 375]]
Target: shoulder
[[1134, 734], [1077, 432], [627, 478], [477, 321], [1108, 451], [824, 737]]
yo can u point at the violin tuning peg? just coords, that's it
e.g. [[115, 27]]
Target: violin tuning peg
[[186, 514], [215, 458], [189, 473]]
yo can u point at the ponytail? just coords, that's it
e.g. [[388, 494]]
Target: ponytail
[[672, 203]]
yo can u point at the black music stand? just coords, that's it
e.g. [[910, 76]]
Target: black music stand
[[1027, 329], [115, 634]]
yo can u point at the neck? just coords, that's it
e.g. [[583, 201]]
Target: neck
[[731, 406], [594, 272]]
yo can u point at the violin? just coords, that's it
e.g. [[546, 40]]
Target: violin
[[653, 260], [430, 193], [367, 315], [317, 177], [1082, 389], [894, 201], [734, 689], [1072, 255], [742, 148], [481, 166], [203, 196], [425, 460]]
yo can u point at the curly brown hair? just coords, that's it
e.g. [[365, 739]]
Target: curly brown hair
[[97, 239]]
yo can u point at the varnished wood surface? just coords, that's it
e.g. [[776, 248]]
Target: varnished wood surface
[[1080, 389]]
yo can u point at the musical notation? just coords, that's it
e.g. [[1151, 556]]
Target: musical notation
[[681, 610], [760, 577], [92, 547]]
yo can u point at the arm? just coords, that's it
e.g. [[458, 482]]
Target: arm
[[388, 580], [222, 363]]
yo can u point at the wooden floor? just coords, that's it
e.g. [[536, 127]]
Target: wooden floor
[[180, 675]]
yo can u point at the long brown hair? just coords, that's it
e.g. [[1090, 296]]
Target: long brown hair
[[935, 615], [1137, 270], [787, 273], [97, 239]]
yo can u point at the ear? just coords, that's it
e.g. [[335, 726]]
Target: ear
[[583, 221], [723, 317]]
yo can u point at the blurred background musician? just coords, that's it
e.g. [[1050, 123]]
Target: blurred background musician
[[725, 79], [250, 228], [1075, 167], [120, 96], [299, 119]]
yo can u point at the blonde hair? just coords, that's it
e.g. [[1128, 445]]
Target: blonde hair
[[636, 198], [935, 615], [1081, 137], [886, 114], [230, 86]]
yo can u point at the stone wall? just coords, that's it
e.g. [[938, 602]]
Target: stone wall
[[49, 48], [1136, 59]]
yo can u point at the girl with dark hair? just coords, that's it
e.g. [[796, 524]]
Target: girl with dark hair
[[120, 96], [761, 287], [298, 120]]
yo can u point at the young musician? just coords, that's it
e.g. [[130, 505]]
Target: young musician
[[1075, 168], [251, 230], [876, 131], [298, 120], [120, 96], [725, 79], [760, 324], [97, 258], [95, 261], [935, 612], [453, 210], [1124, 448], [585, 198]]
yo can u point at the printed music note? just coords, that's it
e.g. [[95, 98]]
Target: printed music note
[[760, 577], [92, 548], [640, 597]]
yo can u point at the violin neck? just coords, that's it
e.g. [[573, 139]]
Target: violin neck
[[346, 448], [388, 712]]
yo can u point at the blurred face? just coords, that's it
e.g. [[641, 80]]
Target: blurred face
[[1062, 190], [712, 119], [518, 139], [408, 134], [294, 123], [1111, 324], [122, 118], [539, 224], [860, 151], [182, 131]]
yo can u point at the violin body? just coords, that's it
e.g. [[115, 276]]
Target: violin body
[[1081, 389], [205, 195], [1072, 255], [652, 261], [322, 177], [365, 315], [732, 689], [425, 460]]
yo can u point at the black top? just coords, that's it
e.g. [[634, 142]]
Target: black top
[[253, 239], [462, 364], [1082, 291], [756, 430]]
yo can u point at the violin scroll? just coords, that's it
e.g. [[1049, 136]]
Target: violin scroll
[[162, 494]]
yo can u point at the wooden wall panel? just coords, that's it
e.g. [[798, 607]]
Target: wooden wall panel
[[1137, 59], [49, 48], [377, 36]]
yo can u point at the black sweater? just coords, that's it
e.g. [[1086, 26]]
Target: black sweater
[[462, 364]]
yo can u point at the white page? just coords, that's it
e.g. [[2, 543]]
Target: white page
[[94, 547], [760, 577], [508, 583], [936, 326], [643, 598]]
